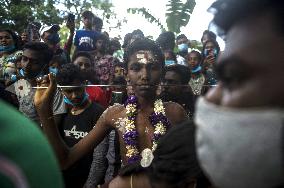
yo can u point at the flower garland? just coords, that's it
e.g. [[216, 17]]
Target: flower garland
[[158, 119]]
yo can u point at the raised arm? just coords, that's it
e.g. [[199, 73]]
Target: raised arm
[[66, 156], [69, 42]]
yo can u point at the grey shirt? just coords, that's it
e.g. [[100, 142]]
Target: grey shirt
[[105, 170], [25, 94]]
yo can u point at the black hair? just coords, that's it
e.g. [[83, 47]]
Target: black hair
[[210, 34], [83, 54], [15, 38], [227, 12], [117, 63], [175, 161], [199, 56], [42, 49], [115, 42], [87, 14], [68, 74], [143, 44], [172, 53], [58, 59], [215, 44], [98, 23], [181, 36], [105, 40], [126, 40], [181, 70], [120, 80], [138, 32], [166, 40]]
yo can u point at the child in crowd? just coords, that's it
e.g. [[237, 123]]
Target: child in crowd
[[85, 38]]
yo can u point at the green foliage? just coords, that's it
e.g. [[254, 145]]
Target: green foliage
[[148, 16], [16, 14], [77, 7], [196, 45], [177, 15]]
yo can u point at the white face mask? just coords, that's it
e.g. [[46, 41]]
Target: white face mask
[[240, 148]]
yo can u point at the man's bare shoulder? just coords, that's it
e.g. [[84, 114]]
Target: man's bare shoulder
[[175, 112], [173, 106], [116, 108]]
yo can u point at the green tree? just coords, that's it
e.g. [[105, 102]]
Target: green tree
[[177, 15], [77, 7], [16, 14]]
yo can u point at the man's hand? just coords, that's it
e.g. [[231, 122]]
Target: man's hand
[[70, 25], [209, 61], [43, 98]]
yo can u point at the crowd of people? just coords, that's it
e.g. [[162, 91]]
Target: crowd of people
[[148, 113]]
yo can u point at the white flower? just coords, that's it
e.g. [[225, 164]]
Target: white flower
[[160, 129], [159, 107], [22, 88]]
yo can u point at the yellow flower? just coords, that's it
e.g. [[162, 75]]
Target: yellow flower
[[131, 151]]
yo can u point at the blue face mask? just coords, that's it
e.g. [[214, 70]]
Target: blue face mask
[[22, 73], [13, 78], [196, 69], [183, 47], [169, 62], [7, 48], [53, 70], [215, 52], [67, 101]]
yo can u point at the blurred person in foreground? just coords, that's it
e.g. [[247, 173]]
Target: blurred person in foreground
[[26, 158], [240, 121]]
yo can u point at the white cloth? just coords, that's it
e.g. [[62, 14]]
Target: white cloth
[[240, 147]]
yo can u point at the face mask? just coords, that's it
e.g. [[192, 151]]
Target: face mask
[[22, 73], [197, 69], [68, 101], [7, 48], [169, 62], [183, 47], [53, 70], [240, 147], [215, 52], [53, 38], [14, 78]]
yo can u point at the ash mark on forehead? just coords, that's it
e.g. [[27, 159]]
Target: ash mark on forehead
[[145, 57]]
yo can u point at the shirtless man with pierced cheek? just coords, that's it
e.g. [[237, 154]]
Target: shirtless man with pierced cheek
[[136, 123]]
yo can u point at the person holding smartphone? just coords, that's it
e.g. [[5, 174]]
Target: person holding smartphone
[[210, 53]]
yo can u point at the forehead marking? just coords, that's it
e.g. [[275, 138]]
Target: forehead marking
[[145, 57]]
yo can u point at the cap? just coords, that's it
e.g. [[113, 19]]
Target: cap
[[54, 28]]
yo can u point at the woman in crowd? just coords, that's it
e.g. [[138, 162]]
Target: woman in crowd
[[210, 53], [9, 51]]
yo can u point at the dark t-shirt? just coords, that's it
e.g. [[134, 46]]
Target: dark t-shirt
[[85, 40], [76, 127]]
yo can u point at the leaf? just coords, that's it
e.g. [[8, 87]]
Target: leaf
[[147, 15]]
